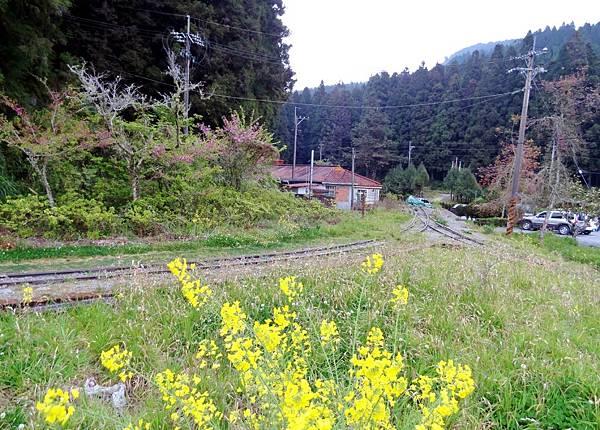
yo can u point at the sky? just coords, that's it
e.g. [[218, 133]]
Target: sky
[[350, 40]]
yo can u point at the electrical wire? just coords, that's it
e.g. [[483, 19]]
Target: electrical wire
[[284, 102], [220, 24], [152, 35]]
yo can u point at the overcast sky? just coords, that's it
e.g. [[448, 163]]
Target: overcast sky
[[350, 40]]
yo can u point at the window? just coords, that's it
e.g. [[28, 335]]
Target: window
[[330, 190], [556, 215], [541, 215]]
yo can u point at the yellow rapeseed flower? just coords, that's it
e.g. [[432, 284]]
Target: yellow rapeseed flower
[[196, 293], [290, 287], [183, 399], [372, 264], [233, 319], [56, 407], [329, 332], [27, 295], [400, 296], [116, 360], [208, 350], [141, 425]]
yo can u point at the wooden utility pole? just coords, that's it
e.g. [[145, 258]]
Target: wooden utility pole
[[530, 72], [297, 121]]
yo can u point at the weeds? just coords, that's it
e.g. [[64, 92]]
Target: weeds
[[526, 326]]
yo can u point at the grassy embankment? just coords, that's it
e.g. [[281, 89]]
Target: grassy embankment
[[566, 247], [377, 224], [527, 323]]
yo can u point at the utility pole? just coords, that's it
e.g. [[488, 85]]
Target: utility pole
[[186, 94], [310, 182], [530, 73], [410, 148], [553, 189], [297, 121], [320, 152], [352, 183]]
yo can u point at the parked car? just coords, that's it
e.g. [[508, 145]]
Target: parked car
[[559, 221], [418, 201]]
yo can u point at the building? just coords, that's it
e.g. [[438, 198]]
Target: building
[[329, 182]]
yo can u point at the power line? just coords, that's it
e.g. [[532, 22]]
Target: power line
[[284, 102], [220, 24], [153, 34]]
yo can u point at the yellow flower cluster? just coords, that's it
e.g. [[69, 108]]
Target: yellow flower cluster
[[141, 425], [185, 401], [290, 287], [56, 407], [372, 264], [400, 296], [208, 350], [270, 360], [453, 382], [378, 385], [27, 295], [116, 360], [329, 332], [233, 319], [196, 293]]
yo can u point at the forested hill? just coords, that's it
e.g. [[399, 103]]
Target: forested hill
[[551, 38], [243, 54], [471, 130]]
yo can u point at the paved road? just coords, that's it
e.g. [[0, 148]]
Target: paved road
[[593, 239]]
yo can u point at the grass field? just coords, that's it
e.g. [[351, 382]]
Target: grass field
[[566, 247], [526, 321], [377, 224]]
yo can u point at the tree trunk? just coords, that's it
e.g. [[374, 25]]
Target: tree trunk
[[135, 187], [43, 174], [47, 188]]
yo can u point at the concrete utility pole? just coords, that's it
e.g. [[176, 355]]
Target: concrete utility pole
[[352, 183], [297, 121], [320, 152], [410, 148], [187, 38], [530, 73], [186, 94]]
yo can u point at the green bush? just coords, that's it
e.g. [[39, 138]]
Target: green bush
[[493, 221], [257, 205], [184, 213], [24, 216], [143, 218], [73, 217]]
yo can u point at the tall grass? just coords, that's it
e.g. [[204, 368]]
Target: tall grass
[[526, 322]]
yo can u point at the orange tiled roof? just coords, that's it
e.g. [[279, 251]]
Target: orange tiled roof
[[324, 174]]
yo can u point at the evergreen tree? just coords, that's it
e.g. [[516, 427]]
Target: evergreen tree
[[421, 179]]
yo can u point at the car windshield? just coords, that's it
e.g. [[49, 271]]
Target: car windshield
[[541, 215]]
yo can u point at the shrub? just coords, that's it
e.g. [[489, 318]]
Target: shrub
[[73, 217], [143, 218], [494, 221]]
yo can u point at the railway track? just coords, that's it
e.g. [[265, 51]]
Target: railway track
[[427, 223], [49, 278]]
